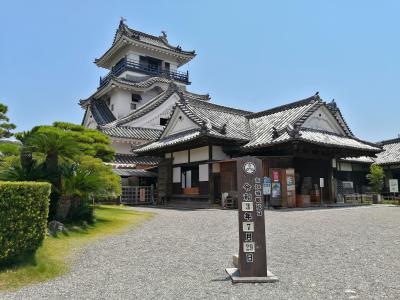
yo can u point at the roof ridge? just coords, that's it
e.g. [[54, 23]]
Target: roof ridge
[[285, 107], [227, 108], [390, 141]]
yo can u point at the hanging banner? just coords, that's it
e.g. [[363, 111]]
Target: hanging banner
[[393, 185]]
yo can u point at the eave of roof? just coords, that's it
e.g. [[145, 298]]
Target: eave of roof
[[125, 35], [129, 132]]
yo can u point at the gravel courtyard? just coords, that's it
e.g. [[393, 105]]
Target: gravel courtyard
[[346, 253]]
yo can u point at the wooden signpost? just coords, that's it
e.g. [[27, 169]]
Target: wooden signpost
[[252, 260]]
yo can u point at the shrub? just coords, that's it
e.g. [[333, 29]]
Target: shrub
[[376, 178], [24, 207]]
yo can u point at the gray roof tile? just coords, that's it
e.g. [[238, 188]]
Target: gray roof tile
[[101, 113], [131, 132], [390, 154]]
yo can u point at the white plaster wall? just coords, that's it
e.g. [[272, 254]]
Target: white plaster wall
[[180, 157], [176, 174], [180, 122], [203, 172], [152, 119], [120, 147], [198, 154], [218, 154], [121, 100], [322, 119]]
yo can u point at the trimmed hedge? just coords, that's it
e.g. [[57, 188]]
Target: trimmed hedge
[[24, 207]]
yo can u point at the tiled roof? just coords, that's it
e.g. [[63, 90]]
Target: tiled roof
[[362, 159], [131, 132], [131, 160], [125, 35], [100, 112], [219, 121], [157, 101], [390, 154], [158, 41], [267, 128], [335, 140], [170, 140], [134, 172]]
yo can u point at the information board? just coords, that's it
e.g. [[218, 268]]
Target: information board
[[267, 186], [393, 185], [252, 250]]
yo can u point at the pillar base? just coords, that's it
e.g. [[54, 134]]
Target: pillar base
[[235, 277]]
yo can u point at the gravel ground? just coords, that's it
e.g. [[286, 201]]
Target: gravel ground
[[347, 253]]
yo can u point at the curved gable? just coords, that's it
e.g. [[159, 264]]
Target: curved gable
[[322, 119]]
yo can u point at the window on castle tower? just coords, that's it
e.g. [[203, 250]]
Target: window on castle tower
[[163, 121], [133, 106], [136, 98]]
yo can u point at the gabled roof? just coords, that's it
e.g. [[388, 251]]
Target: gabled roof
[[128, 132], [157, 101], [101, 113], [125, 35], [263, 129], [391, 152], [268, 127]]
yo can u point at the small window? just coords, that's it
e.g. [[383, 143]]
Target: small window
[[163, 121], [112, 107], [133, 106], [136, 98], [167, 66]]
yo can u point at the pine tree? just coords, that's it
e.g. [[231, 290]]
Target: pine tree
[[5, 126]]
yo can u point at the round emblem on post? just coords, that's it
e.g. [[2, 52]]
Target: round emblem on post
[[249, 167]]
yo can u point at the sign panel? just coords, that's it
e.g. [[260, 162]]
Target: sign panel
[[321, 183], [393, 185], [251, 185], [267, 186]]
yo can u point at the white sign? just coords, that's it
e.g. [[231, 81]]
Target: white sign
[[249, 167], [393, 185], [247, 206], [321, 182], [248, 226], [249, 247], [267, 186]]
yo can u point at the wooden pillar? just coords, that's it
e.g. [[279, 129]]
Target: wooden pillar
[[330, 182], [210, 176]]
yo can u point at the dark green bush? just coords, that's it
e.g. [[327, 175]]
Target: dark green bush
[[24, 207]]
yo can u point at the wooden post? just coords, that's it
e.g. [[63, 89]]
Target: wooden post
[[210, 176], [252, 249]]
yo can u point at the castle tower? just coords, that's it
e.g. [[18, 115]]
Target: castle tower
[[134, 101]]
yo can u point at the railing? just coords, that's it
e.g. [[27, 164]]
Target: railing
[[358, 198], [131, 65], [134, 195]]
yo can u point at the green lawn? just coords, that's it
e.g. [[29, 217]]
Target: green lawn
[[53, 258]]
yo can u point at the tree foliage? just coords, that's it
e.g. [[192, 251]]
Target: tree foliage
[[5, 126], [375, 177], [70, 157]]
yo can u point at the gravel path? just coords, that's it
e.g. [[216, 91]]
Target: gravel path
[[349, 253]]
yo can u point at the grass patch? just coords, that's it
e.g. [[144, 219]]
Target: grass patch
[[53, 258]]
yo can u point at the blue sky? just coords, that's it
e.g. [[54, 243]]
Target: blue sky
[[250, 54]]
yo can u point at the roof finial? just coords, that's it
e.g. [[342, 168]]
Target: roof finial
[[123, 20], [316, 94], [164, 34]]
